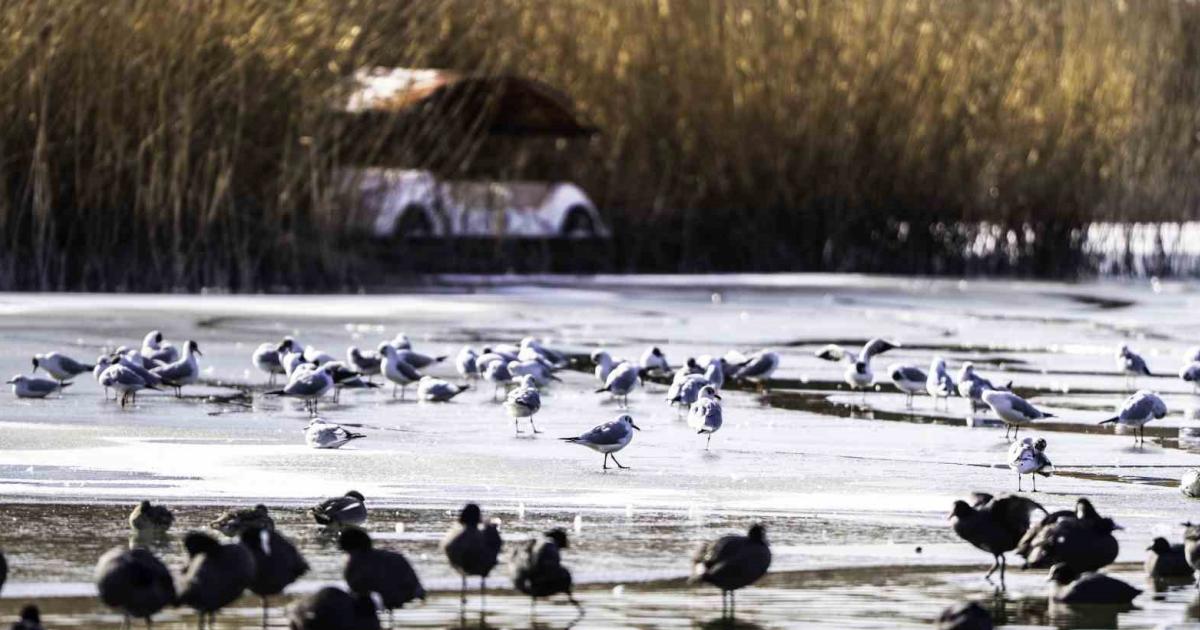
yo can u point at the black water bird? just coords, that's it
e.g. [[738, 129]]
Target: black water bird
[[1081, 539], [332, 608], [349, 509], [369, 570], [1073, 587], [993, 524], [216, 576], [31, 619], [3, 570], [732, 562], [234, 521], [1166, 561], [472, 549], [965, 616], [277, 563], [150, 518], [134, 582], [536, 567]]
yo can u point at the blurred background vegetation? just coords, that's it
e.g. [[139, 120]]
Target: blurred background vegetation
[[185, 144]]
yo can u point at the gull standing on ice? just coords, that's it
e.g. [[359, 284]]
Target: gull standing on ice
[[687, 391], [322, 434], [1013, 410], [396, 370], [971, 385], [939, 384], [365, 362], [604, 364], [1139, 409], [1131, 364], [757, 369], [496, 373], [858, 374], [704, 416], [346, 378], [433, 389], [157, 350], [307, 385], [34, 387], [124, 381], [1028, 457], [524, 402], [466, 362], [267, 359], [908, 379], [621, 380], [537, 368], [608, 438], [533, 349], [185, 371], [59, 366]]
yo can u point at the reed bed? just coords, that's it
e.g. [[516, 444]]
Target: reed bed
[[180, 145]]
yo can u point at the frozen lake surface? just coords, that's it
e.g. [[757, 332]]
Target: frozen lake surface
[[854, 492]]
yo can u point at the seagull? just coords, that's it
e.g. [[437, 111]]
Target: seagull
[[704, 416], [60, 366], [1131, 364], [653, 360], [1013, 410], [267, 358], [490, 355], [331, 607], [1081, 538], [858, 374], [1139, 409], [604, 364], [971, 385], [349, 509], [524, 402], [216, 576], [124, 381], [234, 521], [757, 369], [134, 582], [532, 349], [401, 342], [537, 570], [365, 362], [714, 372], [496, 372], [157, 350], [621, 380], [608, 438], [307, 385], [146, 517], [908, 379], [277, 563], [1028, 457], [346, 378], [685, 388], [416, 359], [938, 383], [322, 434], [732, 562], [102, 363], [34, 387], [291, 359], [472, 548], [437, 390], [315, 356], [1190, 373], [537, 368], [378, 571], [993, 524], [1072, 587], [185, 371], [397, 370], [466, 362]]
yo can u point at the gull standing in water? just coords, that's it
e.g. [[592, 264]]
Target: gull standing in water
[[858, 374], [524, 402], [34, 387], [621, 380], [705, 414], [1132, 365], [157, 350], [59, 366], [322, 434], [1139, 409], [939, 384], [608, 438], [185, 371], [757, 369], [1028, 457], [396, 370], [1013, 410], [908, 379]]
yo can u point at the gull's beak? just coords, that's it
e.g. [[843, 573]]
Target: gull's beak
[[635, 426], [197, 351], [1150, 547], [11, 381], [1115, 526], [717, 396]]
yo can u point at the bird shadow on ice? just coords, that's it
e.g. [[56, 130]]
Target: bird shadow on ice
[[726, 622]]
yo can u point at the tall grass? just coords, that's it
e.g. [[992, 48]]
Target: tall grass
[[162, 145]]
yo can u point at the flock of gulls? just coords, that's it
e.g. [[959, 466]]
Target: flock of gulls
[[1071, 544], [255, 557]]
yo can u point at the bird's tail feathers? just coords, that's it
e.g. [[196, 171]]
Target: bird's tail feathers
[[602, 390], [275, 392], [1110, 420]]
